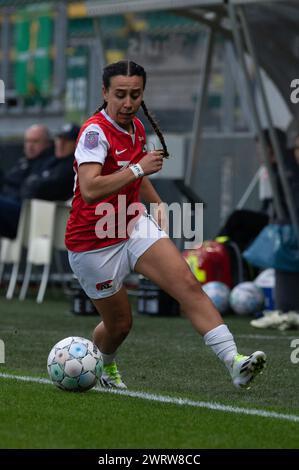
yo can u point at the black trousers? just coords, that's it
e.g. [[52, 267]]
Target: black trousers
[[9, 216]]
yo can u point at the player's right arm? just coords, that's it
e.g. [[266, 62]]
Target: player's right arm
[[91, 153], [94, 186]]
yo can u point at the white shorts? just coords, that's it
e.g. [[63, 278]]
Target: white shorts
[[101, 272]]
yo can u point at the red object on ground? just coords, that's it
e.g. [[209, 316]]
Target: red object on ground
[[210, 262]]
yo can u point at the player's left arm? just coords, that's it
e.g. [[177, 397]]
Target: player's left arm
[[149, 194]]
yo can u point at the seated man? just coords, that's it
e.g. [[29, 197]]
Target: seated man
[[56, 182], [38, 152]]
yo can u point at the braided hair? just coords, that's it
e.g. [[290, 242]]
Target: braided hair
[[129, 68]]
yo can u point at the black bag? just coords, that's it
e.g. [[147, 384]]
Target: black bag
[[80, 302], [154, 301]]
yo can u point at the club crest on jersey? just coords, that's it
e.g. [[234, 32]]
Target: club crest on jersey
[[104, 285], [91, 140]]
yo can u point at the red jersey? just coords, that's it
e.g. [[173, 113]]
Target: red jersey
[[105, 222]]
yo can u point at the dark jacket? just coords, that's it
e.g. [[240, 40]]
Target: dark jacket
[[293, 176], [15, 178], [55, 183]]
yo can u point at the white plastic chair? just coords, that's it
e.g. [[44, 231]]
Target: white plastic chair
[[40, 243], [11, 250], [61, 217]]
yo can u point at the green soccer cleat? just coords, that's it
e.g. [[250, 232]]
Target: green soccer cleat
[[245, 368], [111, 378]]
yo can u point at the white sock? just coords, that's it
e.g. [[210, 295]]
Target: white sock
[[108, 358], [222, 343]]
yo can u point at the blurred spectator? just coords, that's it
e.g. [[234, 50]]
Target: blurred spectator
[[57, 180], [243, 226], [296, 150], [286, 283], [265, 190], [38, 152], [294, 176]]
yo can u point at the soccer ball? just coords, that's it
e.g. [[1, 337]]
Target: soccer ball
[[246, 298], [218, 293], [75, 364]]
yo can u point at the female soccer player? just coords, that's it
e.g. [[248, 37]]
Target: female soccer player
[[106, 240]]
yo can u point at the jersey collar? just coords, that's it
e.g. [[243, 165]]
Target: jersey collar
[[116, 125]]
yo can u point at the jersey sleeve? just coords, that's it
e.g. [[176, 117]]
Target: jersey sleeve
[[92, 146]]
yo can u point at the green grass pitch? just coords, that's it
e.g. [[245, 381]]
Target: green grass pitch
[[162, 356]]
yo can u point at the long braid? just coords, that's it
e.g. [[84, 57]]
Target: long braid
[[103, 106], [156, 129]]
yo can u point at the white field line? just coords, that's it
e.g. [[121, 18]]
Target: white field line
[[172, 400], [266, 337]]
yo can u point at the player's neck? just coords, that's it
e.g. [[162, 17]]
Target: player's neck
[[129, 127]]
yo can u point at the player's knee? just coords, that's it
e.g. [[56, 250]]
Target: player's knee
[[191, 290], [192, 285], [126, 326], [121, 328]]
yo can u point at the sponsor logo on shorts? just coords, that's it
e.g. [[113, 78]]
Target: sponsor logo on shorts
[[104, 285]]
